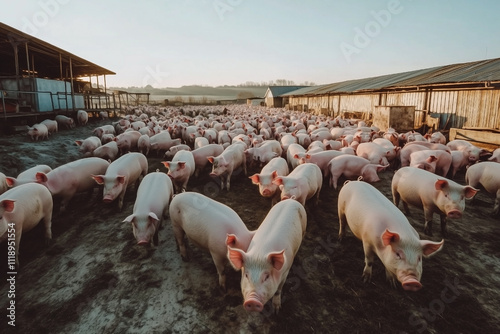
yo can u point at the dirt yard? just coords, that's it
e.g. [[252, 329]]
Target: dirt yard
[[93, 278]]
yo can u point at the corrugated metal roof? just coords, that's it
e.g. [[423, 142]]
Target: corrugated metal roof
[[280, 90], [472, 72]]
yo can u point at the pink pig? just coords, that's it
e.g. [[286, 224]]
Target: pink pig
[[151, 206], [210, 225], [352, 167], [38, 131], [122, 173], [201, 155], [108, 151], [65, 121], [432, 193], [180, 169], [228, 161], [265, 265], [74, 177], [27, 176], [301, 184], [487, 174], [274, 168], [88, 145], [385, 232], [21, 209]]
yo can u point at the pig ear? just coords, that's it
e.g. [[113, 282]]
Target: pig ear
[[166, 164], [230, 240], [470, 192], [153, 216], [120, 179], [181, 164], [40, 177], [129, 219], [277, 259], [389, 238], [278, 181], [211, 159], [441, 184], [274, 174], [432, 158], [78, 142], [8, 205], [98, 178], [296, 156], [236, 257], [254, 178], [10, 181], [430, 248]]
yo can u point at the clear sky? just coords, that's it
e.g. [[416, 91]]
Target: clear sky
[[166, 43]]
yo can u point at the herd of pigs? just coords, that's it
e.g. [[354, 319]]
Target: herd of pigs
[[297, 154]]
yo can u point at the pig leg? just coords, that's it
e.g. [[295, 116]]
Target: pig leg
[[496, 207], [444, 229], [391, 278], [369, 257], [228, 180], [47, 221], [277, 295], [179, 238], [343, 223], [121, 197], [428, 222], [220, 265]]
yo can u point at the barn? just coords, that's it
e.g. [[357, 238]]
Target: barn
[[40, 79], [463, 96], [275, 95]]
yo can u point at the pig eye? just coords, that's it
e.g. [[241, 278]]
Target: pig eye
[[398, 255], [266, 277]]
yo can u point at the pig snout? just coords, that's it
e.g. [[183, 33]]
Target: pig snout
[[454, 214], [143, 242], [253, 304], [107, 199], [411, 284], [266, 192]]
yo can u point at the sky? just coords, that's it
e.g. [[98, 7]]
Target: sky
[[167, 43]]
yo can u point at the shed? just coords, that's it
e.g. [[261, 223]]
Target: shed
[[274, 95], [39, 78], [450, 96]]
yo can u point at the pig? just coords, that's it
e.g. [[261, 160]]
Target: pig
[[108, 151], [162, 142], [4, 184], [274, 168], [104, 129], [266, 151], [210, 225], [143, 144], [320, 158], [201, 155], [65, 121], [434, 161], [200, 142], [128, 141], [71, 178], [301, 184], [180, 169], [82, 116], [292, 155], [107, 137], [174, 149], [88, 145], [495, 156], [21, 209], [472, 152], [385, 232], [151, 206], [374, 152], [38, 131], [408, 149], [436, 137], [352, 167], [27, 176], [432, 193], [486, 174], [122, 173], [286, 140], [267, 261], [227, 162], [51, 125]]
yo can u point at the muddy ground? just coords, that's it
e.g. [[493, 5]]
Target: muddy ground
[[93, 278]]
